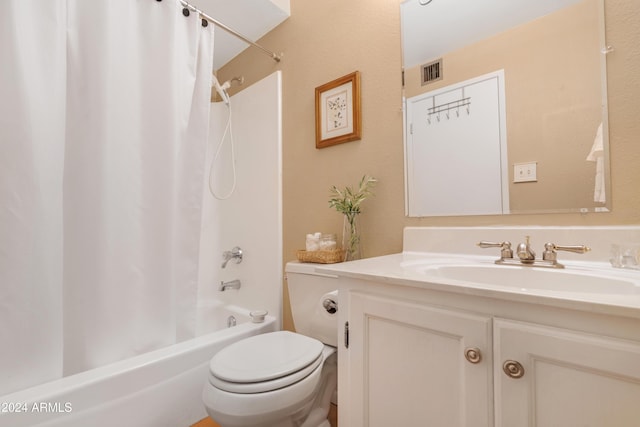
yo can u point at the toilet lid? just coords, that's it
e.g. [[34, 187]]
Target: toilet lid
[[266, 357]]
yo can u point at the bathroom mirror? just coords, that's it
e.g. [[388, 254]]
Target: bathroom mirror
[[552, 54]]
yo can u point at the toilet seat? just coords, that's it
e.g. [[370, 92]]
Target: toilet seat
[[265, 362]]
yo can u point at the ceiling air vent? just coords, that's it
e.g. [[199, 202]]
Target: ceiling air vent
[[431, 72]]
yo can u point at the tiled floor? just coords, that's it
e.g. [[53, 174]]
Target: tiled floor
[[208, 422]]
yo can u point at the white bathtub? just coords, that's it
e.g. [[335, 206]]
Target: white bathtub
[[159, 388]]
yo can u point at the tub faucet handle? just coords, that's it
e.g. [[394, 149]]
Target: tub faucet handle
[[235, 253]]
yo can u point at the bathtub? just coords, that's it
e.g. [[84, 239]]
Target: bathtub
[[159, 388]]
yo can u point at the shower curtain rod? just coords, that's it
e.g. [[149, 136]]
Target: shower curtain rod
[[273, 55]]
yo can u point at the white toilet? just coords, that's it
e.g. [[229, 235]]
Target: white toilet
[[281, 379]]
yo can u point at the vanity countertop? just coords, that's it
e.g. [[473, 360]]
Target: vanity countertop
[[414, 269]]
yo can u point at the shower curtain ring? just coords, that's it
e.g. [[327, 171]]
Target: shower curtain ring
[[185, 11]]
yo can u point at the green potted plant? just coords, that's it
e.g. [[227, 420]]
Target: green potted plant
[[347, 202]]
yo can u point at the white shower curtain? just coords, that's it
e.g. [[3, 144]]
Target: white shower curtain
[[103, 140], [32, 127]]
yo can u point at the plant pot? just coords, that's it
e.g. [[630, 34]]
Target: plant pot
[[351, 236]]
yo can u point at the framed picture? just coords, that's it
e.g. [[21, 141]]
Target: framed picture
[[338, 115]]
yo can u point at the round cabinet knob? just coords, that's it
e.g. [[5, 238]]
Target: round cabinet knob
[[513, 369], [473, 354]]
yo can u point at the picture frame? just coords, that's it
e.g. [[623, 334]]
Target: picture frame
[[338, 113]]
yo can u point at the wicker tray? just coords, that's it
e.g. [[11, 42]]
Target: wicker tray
[[321, 257]]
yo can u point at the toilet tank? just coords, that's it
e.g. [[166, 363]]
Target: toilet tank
[[307, 291]]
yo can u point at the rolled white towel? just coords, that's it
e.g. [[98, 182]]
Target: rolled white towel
[[313, 242]]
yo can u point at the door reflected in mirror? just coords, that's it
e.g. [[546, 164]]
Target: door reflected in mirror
[[553, 60]]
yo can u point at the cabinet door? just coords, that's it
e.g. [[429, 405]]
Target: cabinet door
[[406, 365], [569, 378]]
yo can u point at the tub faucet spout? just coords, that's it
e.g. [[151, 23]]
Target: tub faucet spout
[[234, 284]]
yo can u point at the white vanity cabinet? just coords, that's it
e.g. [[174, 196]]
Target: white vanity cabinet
[[411, 364], [548, 376], [569, 338], [428, 357]]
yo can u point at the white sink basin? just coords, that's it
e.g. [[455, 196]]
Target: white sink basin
[[534, 279]]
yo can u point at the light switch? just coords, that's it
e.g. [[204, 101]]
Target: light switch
[[524, 172]]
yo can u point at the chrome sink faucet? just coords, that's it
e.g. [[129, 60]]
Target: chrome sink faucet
[[505, 248], [525, 253], [550, 253], [527, 256]]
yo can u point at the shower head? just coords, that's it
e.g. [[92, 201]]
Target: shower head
[[221, 89]]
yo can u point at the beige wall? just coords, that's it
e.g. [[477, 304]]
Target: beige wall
[[323, 40]]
